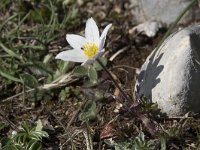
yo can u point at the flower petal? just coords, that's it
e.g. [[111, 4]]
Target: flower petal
[[103, 36], [76, 41], [72, 55], [101, 44], [92, 31], [99, 54], [88, 62]]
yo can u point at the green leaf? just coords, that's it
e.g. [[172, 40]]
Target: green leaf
[[63, 67], [10, 52], [80, 71], [92, 73], [163, 142], [89, 112], [63, 95], [99, 95], [33, 145], [36, 15], [97, 66], [39, 69], [39, 94], [9, 76], [47, 58], [29, 80], [2, 126], [39, 126]]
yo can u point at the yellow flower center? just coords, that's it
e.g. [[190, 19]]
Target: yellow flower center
[[90, 50]]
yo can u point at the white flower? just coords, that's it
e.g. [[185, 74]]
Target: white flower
[[85, 49]]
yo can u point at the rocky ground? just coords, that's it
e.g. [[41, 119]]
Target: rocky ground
[[76, 113]]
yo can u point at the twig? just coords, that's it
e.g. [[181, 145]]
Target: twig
[[117, 53], [124, 66], [12, 125], [75, 114], [88, 138], [61, 81], [16, 95], [75, 133], [57, 120]]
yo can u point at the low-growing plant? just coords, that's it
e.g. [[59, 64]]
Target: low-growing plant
[[27, 138]]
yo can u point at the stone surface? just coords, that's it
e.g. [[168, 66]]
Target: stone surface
[[148, 28], [165, 11], [171, 75]]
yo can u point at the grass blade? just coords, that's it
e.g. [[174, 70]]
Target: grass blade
[[8, 76], [10, 52]]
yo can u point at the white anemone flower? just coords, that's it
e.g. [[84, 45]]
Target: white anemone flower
[[85, 49]]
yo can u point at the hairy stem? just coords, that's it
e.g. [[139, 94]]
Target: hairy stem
[[114, 81]]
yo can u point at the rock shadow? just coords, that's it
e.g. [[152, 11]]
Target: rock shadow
[[148, 77]]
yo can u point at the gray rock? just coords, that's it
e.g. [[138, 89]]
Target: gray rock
[[148, 28], [171, 75], [165, 11]]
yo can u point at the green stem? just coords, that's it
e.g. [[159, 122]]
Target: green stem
[[114, 81]]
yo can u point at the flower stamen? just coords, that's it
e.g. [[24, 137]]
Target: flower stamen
[[90, 50]]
